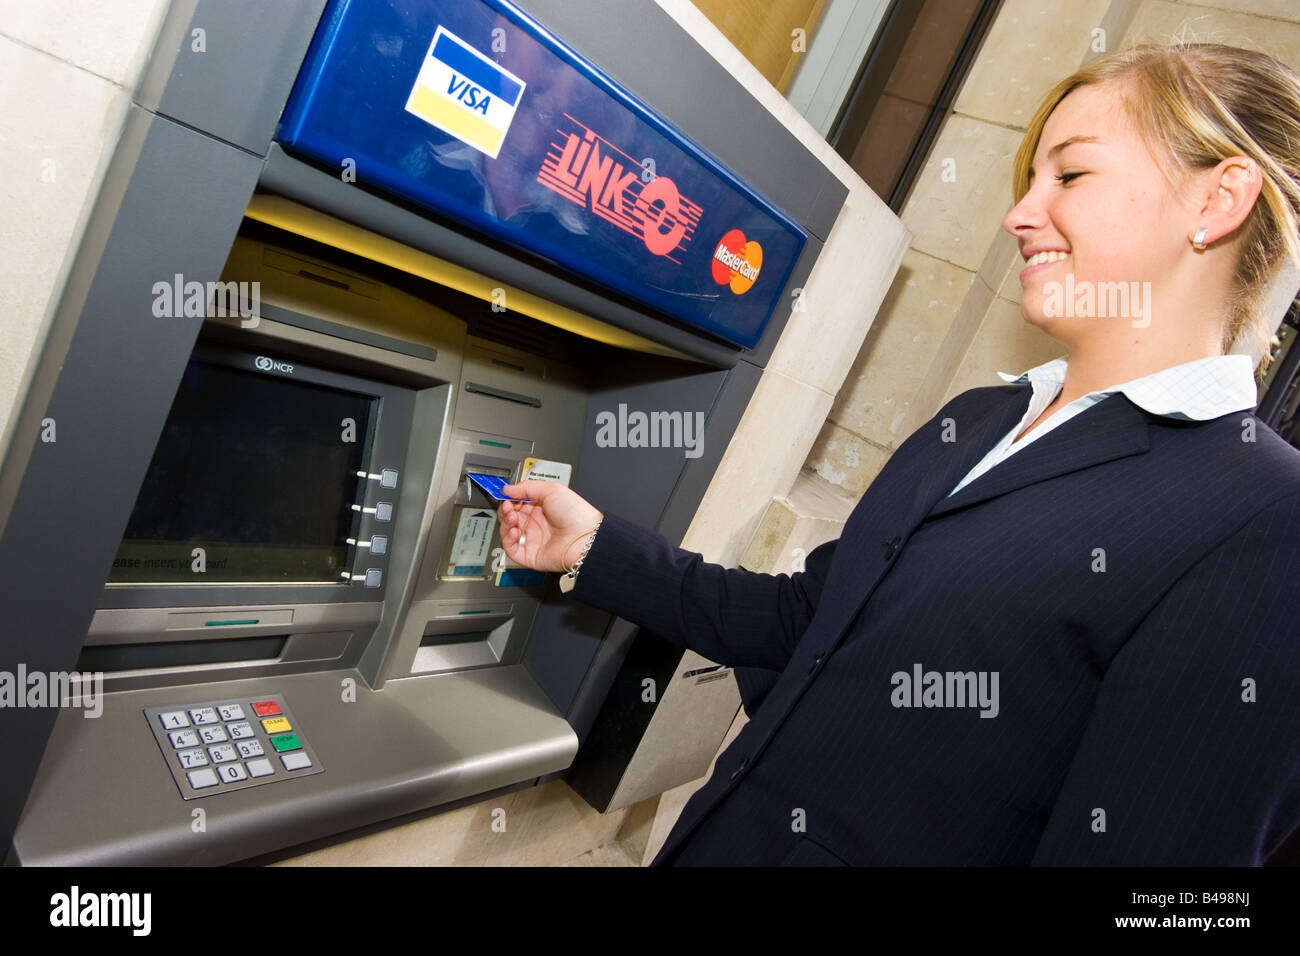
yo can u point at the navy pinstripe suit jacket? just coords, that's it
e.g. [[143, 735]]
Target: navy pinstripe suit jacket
[[1130, 579]]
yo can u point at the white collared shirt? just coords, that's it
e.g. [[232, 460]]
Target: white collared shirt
[[1198, 390]]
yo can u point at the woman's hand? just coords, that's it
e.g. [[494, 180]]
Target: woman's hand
[[537, 533]]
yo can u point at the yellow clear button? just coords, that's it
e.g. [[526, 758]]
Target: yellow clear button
[[276, 725]]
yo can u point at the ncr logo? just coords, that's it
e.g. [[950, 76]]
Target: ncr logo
[[736, 262], [271, 365]]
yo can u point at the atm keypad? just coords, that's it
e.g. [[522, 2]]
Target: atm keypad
[[276, 725], [202, 778], [228, 745], [213, 735], [222, 753], [192, 758]]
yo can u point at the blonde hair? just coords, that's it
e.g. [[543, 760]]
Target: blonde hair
[[1202, 103]]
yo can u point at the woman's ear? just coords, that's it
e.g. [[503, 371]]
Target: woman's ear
[[1229, 191]]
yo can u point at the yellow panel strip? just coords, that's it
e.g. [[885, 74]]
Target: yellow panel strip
[[292, 217]]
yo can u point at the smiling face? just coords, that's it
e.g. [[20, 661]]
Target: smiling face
[[1099, 207]]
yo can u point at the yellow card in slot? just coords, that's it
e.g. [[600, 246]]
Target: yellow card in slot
[[542, 469]]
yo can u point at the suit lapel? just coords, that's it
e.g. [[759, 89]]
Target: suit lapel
[[1114, 428], [972, 440], [937, 465]]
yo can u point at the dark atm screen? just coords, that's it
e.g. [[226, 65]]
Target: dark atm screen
[[257, 470]]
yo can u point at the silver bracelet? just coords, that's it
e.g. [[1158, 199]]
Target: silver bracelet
[[570, 578]]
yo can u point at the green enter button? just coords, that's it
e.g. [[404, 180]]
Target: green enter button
[[286, 742]]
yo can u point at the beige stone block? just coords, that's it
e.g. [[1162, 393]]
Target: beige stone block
[[1162, 22], [544, 826], [964, 191], [110, 38], [56, 137], [1009, 288], [813, 513], [768, 544], [912, 324], [842, 295], [846, 460], [638, 824], [612, 855], [764, 456], [1002, 261], [453, 838], [1277, 9], [1005, 343], [1032, 45], [949, 356]]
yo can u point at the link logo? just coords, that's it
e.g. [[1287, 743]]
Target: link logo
[[589, 170], [736, 262]]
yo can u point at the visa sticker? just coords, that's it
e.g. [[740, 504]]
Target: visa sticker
[[493, 484], [466, 94]]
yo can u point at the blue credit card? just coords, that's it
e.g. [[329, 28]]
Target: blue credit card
[[493, 484]]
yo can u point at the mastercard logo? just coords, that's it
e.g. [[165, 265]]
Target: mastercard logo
[[736, 262]]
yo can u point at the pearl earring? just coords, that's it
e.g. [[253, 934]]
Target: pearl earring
[[1198, 241]]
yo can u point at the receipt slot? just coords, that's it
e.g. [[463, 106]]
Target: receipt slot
[[270, 503]]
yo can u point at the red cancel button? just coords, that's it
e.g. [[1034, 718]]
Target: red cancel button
[[265, 708]]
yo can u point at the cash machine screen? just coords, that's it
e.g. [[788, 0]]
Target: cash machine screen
[[253, 480]]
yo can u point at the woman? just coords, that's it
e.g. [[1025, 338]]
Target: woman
[[1077, 644]]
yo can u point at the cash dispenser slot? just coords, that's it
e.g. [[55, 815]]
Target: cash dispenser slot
[[194, 652], [112, 658], [456, 643]]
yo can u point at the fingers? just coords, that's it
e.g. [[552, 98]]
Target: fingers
[[531, 488], [510, 539], [514, 511]]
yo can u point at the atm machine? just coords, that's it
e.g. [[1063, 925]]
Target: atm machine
[[348, 254]]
